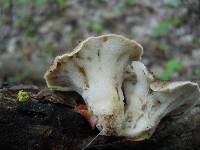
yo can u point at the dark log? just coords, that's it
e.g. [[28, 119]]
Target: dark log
[[47, 121]]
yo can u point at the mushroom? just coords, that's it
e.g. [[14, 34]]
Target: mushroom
[[95, 69], [121, 95], [149, 100]]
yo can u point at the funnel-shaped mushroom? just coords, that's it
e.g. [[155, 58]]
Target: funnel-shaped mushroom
[[120, 93], [96, 70], [148, 100]]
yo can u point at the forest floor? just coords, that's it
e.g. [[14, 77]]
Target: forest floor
[[32, 33]]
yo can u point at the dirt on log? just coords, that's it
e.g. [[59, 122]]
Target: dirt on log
[[47, 121]]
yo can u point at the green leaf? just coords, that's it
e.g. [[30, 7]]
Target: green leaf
[[173, 65], [170, 68], [162, 29], [96, 27], [166, 75], [172, 3], [197, 72]]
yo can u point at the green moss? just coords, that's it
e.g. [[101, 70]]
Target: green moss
[[22, 96]]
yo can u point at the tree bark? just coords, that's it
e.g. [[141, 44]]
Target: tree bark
[[47, 121]]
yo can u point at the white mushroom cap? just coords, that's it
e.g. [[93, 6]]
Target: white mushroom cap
[[95, 69], [148, 101], [117, 88]]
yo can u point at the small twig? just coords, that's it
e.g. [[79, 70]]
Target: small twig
[[92, 140]]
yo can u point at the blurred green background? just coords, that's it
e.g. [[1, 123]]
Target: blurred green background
[[32, 33]]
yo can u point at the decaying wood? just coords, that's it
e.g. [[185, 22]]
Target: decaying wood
[[47, 121]]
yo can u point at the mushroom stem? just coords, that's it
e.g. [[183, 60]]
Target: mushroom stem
[[104, 101]]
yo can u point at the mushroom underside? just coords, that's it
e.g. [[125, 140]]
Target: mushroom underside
[[118, 90]]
